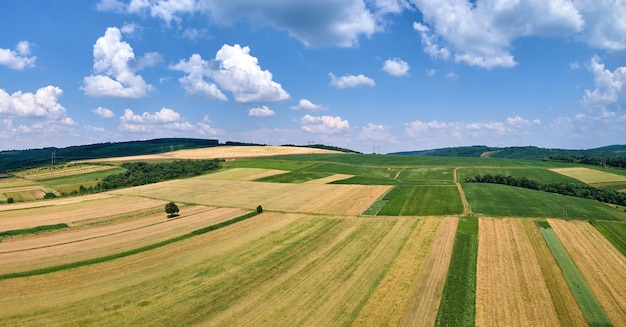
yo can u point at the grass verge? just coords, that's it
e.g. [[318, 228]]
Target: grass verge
[[614, 232], [591, 309], [33, 230], [458, 302], [126, 253]]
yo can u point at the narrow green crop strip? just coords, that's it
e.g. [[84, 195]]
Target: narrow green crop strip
[[591, 309], [33, 230], [458, 302], [126, 253], [614, 232]]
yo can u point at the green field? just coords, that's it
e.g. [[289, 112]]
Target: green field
[[411, 200], [509, 201], [458, 303], [587, 302], [542, 175], [297, 176]]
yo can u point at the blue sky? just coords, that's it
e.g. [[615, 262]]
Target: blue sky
[[392, 74]]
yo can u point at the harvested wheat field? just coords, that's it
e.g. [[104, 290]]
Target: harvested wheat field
[[54, 249], [590, 176], [73, 211], [223, 152], [244, 174], [510, 287], [307, 198], [272, 269], [61, 171], [602, 266]]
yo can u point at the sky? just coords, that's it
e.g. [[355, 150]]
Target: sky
[[369, 75]]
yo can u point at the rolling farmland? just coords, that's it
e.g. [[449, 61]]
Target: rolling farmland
[[343, 239]]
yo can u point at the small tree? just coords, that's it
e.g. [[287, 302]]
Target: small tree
[[10, 200], [259, 209], [171, 209]]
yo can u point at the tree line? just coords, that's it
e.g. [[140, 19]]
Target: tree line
[[571, 189], [617, 162], [142, 173]]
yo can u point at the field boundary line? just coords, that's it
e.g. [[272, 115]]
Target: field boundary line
[[110, 257], [466, 209]]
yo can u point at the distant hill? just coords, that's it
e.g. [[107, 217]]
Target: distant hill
[[519, 152], [21, 159]]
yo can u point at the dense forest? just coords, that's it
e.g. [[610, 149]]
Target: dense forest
[[572, 189]]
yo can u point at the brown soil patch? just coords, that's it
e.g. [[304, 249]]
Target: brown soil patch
[[510, 287], [602, 266], [424, 304], [223, 152]]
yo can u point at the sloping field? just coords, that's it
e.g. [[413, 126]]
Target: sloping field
[[602, 266], [273, 269], [510, 287], [421, 200], [222, 152], [66, 247], [73, 211], [330, 179], [244, 174], [590, 176], [62, 171], [308, 198]]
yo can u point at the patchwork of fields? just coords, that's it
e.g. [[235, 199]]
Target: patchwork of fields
[[342, 240]]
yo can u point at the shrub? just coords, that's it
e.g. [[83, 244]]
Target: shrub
[[10, 200], [49, 195], [259, 209]]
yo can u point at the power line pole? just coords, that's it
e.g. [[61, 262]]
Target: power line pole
[[53, 157]]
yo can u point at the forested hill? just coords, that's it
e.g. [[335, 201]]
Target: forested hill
[[20, 159], [527, 153]]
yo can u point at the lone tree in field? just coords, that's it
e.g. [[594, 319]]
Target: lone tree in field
[[171, 209]]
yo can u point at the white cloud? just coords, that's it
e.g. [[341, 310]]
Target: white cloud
[[610, 87], [239, 72], [263, 111], [18, 59], [431, 72], [605, 25], [452, 75], [103, 112], [195, 34], [376, 133], [194, 83], [165, 115], [481, 33], [115, 67], [574, 65], [323, 124], [43, 103], [348, 81], [234, 70], [305, 104], [204, 128], [167, 10], [391, 6], [396, 67]]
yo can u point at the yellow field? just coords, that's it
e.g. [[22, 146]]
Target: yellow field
[[244, 174], [308, 198], [222, 152], [510, 287], [602, 266], [590, 176]]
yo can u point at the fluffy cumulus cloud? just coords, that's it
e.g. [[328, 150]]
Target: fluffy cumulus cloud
[[115, 67], [43, 103], [305, 104], [435, 133], [167, 10], [18, 58], [480, 33], [263, 111], [349, 81], [609, 94], [164, 122], [103, 112], [324, 124], [233, 70], [396, 67]]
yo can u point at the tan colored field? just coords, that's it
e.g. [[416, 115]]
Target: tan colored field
[[61, 171], [244, 174], [223, 152], [602, 266], [510, 287], [73, 211], [66, 247], [264, 270], [307, 198], [565, 304], [590, 176], [8, 183], [389, 302], [329, 179], [424, 304]]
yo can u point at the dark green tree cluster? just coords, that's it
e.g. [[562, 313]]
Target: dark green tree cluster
[[141, 173], [617, 162], [571, 189]]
